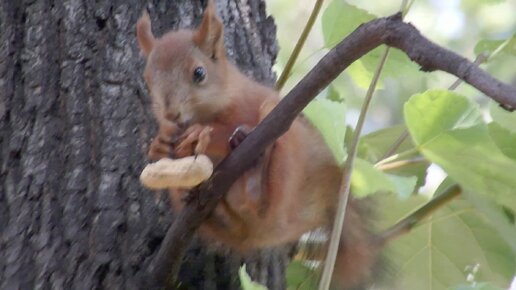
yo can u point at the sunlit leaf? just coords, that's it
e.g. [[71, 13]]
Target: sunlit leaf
[[246, 283], [330, 119], [503, 117], [362, 76], [366, 179], [489, 46], [437, 112], [340, 19], [336, 27], [449, 131], [397, 63]]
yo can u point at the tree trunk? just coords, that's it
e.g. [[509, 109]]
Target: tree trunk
[[75, 123]]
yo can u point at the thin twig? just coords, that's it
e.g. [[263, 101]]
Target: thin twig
[[395, 145], [299, 45], [338, 224]]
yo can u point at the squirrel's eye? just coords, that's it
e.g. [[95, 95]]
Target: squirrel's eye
[[199, 74]]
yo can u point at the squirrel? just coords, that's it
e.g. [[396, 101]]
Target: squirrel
[[205, 105]]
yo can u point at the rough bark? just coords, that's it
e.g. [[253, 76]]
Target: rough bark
[[75, 122]]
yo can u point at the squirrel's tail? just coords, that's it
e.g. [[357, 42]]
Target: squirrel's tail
[[358, 251]]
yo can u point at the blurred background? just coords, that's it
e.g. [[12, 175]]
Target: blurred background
[[455, 24], [458, 25]]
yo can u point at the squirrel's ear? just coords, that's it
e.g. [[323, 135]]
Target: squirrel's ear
[[209, 37], [144, 34]]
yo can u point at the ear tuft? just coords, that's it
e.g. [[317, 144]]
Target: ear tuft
[[144, 34], [209, 37]]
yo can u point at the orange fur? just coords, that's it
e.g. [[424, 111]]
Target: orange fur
[[292, 189]]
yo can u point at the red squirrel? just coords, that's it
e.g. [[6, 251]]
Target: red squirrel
[[294, 186]]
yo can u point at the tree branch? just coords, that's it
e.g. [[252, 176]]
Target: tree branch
[[391, 31]]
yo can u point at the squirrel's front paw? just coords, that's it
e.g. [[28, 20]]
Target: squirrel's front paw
[[162, 145], [238, 136], [194, 140]]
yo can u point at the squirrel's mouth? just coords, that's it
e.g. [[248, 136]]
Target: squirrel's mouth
[[183, 120], [172, 117]]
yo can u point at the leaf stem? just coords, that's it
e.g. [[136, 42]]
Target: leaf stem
[[400, 163], [346, 182], [408, 223], [499, 48], [405, 8], [299, 45], [396, 144], [395, 157]]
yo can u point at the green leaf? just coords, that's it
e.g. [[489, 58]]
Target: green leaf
[[333, 95], [397, 63], [330, 119], [442, 251], [503, 117], [340, 19], [366, 179], [477, 286], [247, 283], [300, 277], [504, 139], [434, 113], [489, 46], [497, 217], [449, 131], [362, 76], [375, 145], [405, 186]]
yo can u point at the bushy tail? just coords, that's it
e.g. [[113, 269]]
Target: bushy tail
[[358, 251]]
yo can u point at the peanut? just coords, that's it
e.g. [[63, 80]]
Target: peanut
[[185, 172]]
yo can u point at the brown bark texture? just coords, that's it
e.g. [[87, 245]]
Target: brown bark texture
[[75, 123]]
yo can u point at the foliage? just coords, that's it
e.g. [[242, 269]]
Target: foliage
[[449, 131], [300, 277], [330, 119], [491, 46], [247, 283], [457, 244], [470, 243], [478, 286]]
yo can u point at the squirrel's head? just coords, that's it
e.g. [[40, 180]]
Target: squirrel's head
[[186, 70]]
